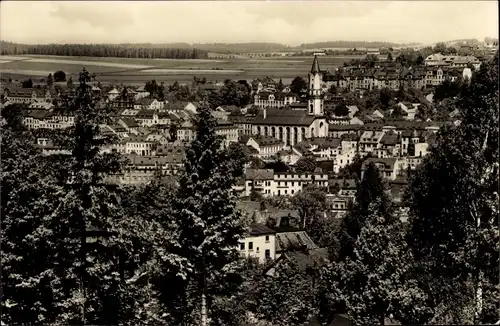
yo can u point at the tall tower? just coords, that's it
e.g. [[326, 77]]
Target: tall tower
[[315, 102]]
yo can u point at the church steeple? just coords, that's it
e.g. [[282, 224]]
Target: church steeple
[[315, 102], [315, 67]]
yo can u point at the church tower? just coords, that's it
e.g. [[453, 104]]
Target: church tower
[[315, 102]]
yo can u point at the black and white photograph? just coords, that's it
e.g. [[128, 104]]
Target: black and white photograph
[[249, 163]]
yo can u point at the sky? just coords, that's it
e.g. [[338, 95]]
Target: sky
[[287, 22]]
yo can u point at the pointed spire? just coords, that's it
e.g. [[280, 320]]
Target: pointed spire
[[315, 66]]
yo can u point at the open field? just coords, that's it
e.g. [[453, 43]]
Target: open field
[[138, 71]]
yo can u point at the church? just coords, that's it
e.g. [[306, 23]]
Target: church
[[292, 125]]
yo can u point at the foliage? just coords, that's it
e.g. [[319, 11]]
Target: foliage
[[59, 76], [373, 279], [453, 200], [353, 170], [50, 80], [232, 93], [286, 298], [208, 225], [27, 83], [27, 231], [277, 165], [371, 189], [70, 83], [298, 85], [239, 156], [341, 110], [311, 203], [146, 51], [305, 164], [448, 89]]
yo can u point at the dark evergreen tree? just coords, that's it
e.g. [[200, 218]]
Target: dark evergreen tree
[[209, 227]]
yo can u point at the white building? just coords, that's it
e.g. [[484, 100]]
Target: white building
[[260, 243], [266, 146], [268, 183]]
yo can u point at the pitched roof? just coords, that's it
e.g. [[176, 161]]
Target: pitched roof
[[263, 140], [388, 162], [260, 229], [294, 240], [284, 118], [390, 138], [308, 258], [259, 174], [315, 66]]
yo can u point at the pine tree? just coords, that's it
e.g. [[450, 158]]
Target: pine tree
[[371, 199], [95, 240], [209, 227], [453, 200], [371, 189], [28, 249]]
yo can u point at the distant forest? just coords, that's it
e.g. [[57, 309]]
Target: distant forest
[[352, 44], [175, 50], [147, 51]]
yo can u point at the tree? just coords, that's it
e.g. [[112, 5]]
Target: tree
[[311, 203], [234, 93], [372, 188], [305, 164], [286, 298], [152, 88], [333, 89], [94, 290], [239, 156], [453, 200], [389, 57], [280, 86], [70, 83], [420, 60], [50, 80], [341, 110], [209, 227], [27, 250], [59, 76], [373, 279], [298, 85], [27, 83]]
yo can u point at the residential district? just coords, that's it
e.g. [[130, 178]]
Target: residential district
[[279, 125]]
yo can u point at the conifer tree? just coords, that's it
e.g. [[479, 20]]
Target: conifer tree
[[28, 249], [209, 227], [95, 238]]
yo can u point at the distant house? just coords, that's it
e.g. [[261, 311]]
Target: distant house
[[141, 93], [386, 166], [266, 146], [113, 94]]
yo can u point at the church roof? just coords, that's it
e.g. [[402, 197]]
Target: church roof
[[315, 67], [284, 118]]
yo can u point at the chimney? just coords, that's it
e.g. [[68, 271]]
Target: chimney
[[265, 113]]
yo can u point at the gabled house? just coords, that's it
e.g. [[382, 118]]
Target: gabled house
[[266, 146]]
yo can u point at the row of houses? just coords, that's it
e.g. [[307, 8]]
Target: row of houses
[[360, 78]]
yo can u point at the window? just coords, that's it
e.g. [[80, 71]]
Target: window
[[286, 192], [279, 192], [267, 238], [250, 246], [242, 246], [257, 250], [268, 253]]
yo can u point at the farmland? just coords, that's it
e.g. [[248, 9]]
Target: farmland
[[138, 71]]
